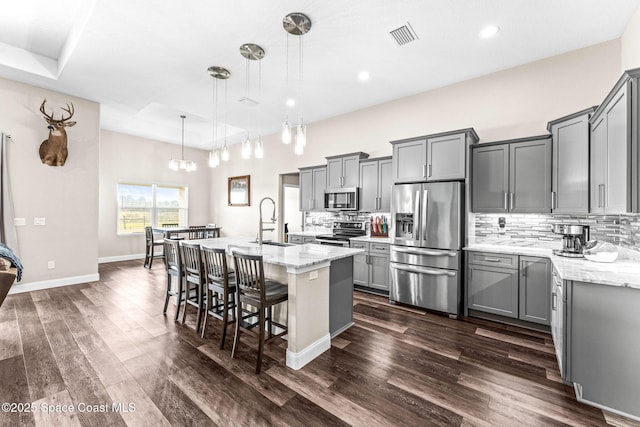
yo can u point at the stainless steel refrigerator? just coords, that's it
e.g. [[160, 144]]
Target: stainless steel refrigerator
[[426, 241]]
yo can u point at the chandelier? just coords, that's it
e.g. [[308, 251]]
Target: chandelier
[[252, 52], [182, 164]]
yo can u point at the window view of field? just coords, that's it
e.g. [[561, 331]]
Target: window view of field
[[143, 205]]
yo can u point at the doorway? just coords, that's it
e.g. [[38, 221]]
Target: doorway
[[289, 204]]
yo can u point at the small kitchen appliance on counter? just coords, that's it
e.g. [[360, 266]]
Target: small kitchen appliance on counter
[[574, 237]]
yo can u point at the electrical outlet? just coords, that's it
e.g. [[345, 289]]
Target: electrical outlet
[[51, 265], [313, 275], [19, 221], [39, 221]]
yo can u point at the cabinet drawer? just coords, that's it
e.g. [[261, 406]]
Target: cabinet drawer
[[359, 245], [498, 260], [308, 239], [296, 239], [379, 248]]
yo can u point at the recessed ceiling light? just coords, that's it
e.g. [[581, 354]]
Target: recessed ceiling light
[[291, 102], [363, 76], [489, 31]]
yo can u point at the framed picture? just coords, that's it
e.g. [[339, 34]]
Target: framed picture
[[240, 190]]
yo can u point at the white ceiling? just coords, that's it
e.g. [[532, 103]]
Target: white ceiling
[[145, 61]]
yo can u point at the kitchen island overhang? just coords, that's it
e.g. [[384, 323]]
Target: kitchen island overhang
[[319, 278]]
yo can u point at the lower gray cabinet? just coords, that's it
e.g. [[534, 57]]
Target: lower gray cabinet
[[300, 239], [371, 269], [535, 290], [512, 286], [492, 283]]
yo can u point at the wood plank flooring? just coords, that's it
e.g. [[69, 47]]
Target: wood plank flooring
[[106, 350]]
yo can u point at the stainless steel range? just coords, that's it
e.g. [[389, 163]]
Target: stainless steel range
[[342, 232]]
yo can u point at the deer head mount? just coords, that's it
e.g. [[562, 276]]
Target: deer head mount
[[53, 150]]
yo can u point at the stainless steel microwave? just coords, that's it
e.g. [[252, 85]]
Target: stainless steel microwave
[[341, 199]]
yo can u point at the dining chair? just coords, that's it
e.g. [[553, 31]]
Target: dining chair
[[220, 299], [197, 232], [194, 280], [170, 235], [263, 294], [210, 234], [173, 265], [150, 244]]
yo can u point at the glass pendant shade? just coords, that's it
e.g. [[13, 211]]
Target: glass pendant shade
[[259, 149], [286, 132], [214, 159], [173, 165], [298, 149], [301, 135], [246, 148], [225, 153]]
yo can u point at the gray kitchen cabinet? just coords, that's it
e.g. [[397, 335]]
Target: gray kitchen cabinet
[[344, 170], [371, 269], [558, 322], [446, 157], [492, 283], [512, 176], [570, 165], [610, 185], [535, 290], [375, 185], [300, 239], [603, 346], [434, 157], [312, 185]]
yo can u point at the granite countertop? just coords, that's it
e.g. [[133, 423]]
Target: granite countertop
[[372, 239], [293, 257], [623, 272]]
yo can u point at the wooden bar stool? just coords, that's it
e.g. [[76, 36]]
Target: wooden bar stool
[[221, 290], [253, 289], [194, 280], [173, 264], [151, 243]]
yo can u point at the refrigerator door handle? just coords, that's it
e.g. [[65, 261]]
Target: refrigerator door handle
[[423, 218], [419, 251], [422, 270], [416, 221]]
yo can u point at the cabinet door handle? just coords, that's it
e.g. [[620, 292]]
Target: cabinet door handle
[[506, 196], [511, 198], [601, 195], [429, 170], [554, 200], [554, 301], [424, 171]]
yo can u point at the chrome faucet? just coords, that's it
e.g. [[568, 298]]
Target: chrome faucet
[[273, 219]]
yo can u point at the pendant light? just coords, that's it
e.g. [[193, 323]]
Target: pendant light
[[217, 73], [186, 165], [252, 52], [297, 24]]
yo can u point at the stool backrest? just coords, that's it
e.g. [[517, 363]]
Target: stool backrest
[[191, 259], [172, 257], [148, 233], [249, 274], [215, 264]]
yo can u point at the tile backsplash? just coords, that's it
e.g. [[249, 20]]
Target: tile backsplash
[[322, 222], [623, 230]]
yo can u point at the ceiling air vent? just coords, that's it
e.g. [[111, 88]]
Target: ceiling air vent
[[404, 34]]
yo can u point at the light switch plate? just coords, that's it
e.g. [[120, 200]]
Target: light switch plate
[[39, 221], [19, 221]]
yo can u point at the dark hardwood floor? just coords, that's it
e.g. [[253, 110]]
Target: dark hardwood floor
[[90, 346]]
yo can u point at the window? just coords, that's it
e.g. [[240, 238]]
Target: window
[[140, 205]]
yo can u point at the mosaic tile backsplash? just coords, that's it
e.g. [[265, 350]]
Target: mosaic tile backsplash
[[623, 230]]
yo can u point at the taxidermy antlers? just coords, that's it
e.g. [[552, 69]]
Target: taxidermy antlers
[[53, 150]]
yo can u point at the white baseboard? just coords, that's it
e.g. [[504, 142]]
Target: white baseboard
[[301, 358], [107, 259], [341, 330], [55, 283]]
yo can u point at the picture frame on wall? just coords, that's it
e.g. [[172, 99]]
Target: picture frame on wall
[[239, 190]]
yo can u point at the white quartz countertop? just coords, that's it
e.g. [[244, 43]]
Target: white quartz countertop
[[293, 257], [372, 239], [623, 272]]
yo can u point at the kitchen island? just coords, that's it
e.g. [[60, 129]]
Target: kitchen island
[[320, 281]]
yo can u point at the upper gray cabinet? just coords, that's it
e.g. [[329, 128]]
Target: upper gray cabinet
[[570, 166], [312, 185], [512, 176], [438, 157], [344, 170], [375, 185]]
